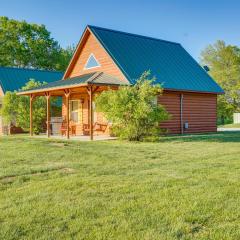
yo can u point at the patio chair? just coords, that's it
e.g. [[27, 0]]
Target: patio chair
[[72, 128], [97, 127]]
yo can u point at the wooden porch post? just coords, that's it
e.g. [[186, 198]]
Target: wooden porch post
[[30, 111], [67, 95], [47, 94], [91, 112], [91, 92]]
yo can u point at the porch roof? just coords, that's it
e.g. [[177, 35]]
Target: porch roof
[[95, 78]]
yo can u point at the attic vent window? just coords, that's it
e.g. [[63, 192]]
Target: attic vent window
[[91, 62]]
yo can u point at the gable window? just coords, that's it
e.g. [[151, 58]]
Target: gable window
[[75, 112], [91, 62]]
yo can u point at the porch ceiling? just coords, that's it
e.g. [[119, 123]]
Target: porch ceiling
[[96, 78]]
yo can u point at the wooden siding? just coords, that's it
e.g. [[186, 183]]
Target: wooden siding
[[171, 102], [199, 111], [91, 45]]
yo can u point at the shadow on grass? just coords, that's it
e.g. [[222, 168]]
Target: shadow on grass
[[229, 136]]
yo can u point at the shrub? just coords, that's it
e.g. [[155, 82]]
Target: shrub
[[15, 109], [133, 110]]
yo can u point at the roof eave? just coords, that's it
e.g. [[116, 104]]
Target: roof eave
[[29, 92], [75, 52], [192, 91]]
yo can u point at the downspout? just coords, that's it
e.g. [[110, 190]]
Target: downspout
[[181, 113]]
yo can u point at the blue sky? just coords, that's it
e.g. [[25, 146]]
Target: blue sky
[[194, 24]]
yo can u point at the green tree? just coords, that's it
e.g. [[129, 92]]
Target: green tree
[[224, 63], [133, 110], [15, 109], [30, 45]]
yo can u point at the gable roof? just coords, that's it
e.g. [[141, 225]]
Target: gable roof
[[169, 62], [15, 78]]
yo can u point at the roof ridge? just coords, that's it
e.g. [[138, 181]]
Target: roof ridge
[[81, 75], [31, 69], [94, 76], [133, 34]]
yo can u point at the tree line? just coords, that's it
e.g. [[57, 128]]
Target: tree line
[[224, 63]]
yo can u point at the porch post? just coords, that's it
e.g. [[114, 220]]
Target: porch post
[[67, 95], [91, 112], [30, 112], [47, 94], [91, 92]]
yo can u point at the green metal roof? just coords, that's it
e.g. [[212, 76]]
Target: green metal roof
[[98, 78], [15, 78], [169, 62]]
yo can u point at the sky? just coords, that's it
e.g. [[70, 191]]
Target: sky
[[193, 23]]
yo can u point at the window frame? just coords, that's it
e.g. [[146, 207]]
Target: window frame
[[87, 68], [78, 111]]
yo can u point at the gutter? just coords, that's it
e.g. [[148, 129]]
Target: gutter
[[181, 113]]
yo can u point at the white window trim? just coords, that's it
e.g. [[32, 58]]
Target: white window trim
[[91, 55], [78, 111]]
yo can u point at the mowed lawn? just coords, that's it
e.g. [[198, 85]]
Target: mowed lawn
[[180, 188]]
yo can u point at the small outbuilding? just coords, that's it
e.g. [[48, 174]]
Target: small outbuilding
[[107, 58]]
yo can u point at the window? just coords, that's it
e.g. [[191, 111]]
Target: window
[[75, 111], [91, 62], [155, 101]]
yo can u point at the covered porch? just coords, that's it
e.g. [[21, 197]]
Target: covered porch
[[79, 116]]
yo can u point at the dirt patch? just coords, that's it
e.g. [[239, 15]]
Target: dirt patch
[[11, 179], [8, 180], [57, 144]]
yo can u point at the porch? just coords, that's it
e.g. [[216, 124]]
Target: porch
[[78, 137], [80, 120]]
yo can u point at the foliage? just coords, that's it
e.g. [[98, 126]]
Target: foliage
[[30, 45], [133, 110], [16, 109], [224, 63]]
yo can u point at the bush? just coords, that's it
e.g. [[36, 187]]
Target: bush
[[15, 109], [133, 110]]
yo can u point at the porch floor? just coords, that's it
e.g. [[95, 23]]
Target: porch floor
[[77, 138]]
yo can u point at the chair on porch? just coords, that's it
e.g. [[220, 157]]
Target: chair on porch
[[97, 127], [72, 128]]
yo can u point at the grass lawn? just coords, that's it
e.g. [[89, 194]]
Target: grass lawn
[[181, 188], [236, 125]]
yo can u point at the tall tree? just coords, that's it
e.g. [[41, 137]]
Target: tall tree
[[224, 63], [30, 45]]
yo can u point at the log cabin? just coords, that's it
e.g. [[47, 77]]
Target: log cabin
[[13, 79], [106, 58]]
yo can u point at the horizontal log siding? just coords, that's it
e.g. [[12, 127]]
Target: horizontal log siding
[[171, 102], [199, 110], [91, 45]]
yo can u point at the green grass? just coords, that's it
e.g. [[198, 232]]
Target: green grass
[[236, 125], [181, 188]]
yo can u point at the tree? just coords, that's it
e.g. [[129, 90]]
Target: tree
[[15, 109], [224, 63], [133, 110], [64, 58], [30, 45]]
